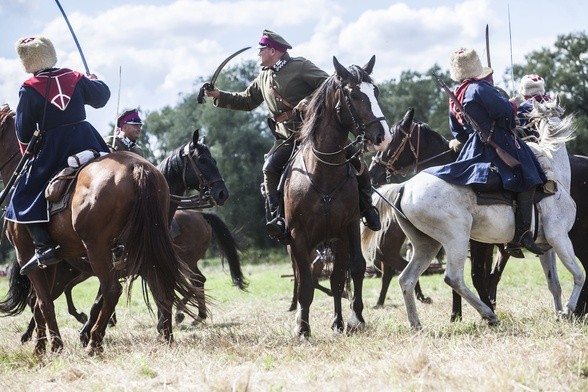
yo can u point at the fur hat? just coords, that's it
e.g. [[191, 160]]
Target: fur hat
[[465, 64], [532, 85], [36, 53], [273, 40]]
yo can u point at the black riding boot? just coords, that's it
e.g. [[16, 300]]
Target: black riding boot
[[276, 225], [45, 249], [523, 216], [368, 212]]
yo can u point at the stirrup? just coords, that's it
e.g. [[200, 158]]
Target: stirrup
[[276, 227], [514, 250]]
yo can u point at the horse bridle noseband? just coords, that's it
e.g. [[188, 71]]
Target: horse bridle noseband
[[204, 199], [390, 162], [359, 125]]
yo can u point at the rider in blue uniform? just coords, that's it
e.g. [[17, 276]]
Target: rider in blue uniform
[[58, 111], [478, 162]]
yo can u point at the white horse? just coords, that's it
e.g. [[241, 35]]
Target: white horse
[[436, 213]]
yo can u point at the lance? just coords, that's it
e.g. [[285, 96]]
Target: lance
[[210, 85], [511, 64], [117, 106], [74, 37], [488, 48]]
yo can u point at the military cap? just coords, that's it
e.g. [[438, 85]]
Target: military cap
[[130, 116], [273, 40]]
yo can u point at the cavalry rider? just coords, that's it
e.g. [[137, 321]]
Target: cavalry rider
[[478, 162], [286, 85], [532, 88], [53, 101], [128, 130]]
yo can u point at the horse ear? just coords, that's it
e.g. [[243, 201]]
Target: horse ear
[[369, 67], [341, 71], [407, 119], [195, 136], [557, 101]]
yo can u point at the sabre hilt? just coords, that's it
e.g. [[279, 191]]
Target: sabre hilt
[[205, 87]]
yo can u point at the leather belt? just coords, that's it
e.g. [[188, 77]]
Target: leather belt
[[285, 116]]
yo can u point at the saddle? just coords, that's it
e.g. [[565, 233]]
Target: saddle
[[59, 190]]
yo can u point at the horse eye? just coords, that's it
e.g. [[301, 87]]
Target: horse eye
[[355, 95]]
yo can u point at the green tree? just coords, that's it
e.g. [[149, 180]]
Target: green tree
[[236, 139], [565, 70]]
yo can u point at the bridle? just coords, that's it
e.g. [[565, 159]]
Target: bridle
[[390, 162], [204, 197], [358, 123]]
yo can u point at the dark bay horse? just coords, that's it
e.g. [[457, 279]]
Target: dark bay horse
[[119, 197], [320, 192], [419, 147]]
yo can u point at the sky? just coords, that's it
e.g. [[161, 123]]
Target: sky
[[153, 52]]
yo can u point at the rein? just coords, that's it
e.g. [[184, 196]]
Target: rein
[[359, 125], [389, 163], [204, 198]]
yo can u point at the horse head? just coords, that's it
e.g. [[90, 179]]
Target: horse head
[[386, 162], [360, 97], [201, 171], [193, 167]]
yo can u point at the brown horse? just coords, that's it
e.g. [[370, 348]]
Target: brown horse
[[320, 192], [117, 198]]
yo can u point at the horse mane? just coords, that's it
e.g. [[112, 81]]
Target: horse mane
[[324, 100], [6, 114], [553, 129], [172, 163]]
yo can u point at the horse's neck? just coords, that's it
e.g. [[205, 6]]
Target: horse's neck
[[561, 167]]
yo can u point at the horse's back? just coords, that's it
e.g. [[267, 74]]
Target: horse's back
[[107, 188]]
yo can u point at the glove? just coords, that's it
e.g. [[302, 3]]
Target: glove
[[455, 145]]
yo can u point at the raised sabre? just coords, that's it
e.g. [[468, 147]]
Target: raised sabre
[[210, 85], [488, 48], [74, 37]]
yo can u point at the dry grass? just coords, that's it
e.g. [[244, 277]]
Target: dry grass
[[249, 344]]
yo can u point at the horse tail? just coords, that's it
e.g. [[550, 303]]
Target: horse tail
[[149, 249], [229, 248], [371, 240], [19, 289]]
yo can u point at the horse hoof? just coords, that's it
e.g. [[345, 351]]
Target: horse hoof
[[180, 317], [494, 323]]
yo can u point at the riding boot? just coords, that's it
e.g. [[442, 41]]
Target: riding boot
[[275, 224], [368, 212], [45, 249], [523, 217]]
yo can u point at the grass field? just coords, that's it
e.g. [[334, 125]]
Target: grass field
[[249, 345]]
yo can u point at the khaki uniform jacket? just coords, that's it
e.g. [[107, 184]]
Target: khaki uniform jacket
[[295, 81], [119, 145]]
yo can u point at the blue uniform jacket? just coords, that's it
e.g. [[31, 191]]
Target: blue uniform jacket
[[487, 106], [66, 133]]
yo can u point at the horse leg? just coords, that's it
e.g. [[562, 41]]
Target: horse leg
[[294, 302], [456, 314], [44, 313], [387, 274], [357, 269], [305, 289], [337, 280], [419, 294], [481, 256], [424, 252], [549, 265], [565, 251], [71, 307], [454, 277], [94, 311], [502, 258]]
